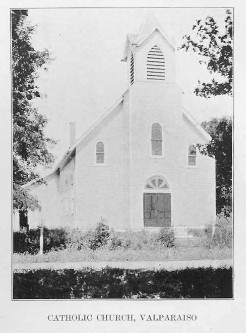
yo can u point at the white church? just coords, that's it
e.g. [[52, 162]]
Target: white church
[[138, 167]]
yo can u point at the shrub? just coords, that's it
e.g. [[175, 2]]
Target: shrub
[[99, 237], [222, 235], [123, 283], [75, 240], [57, 239], [218, 236], [54, 239], [26, 242], [137, 240], [166, 237]]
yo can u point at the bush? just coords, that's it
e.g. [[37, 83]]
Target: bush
[[166, 237], [26, 242], [92, 239], [29, 242], [221, 236], [75, 240], [218, 236], [123, 283], [101, 235], [137, 240], [55, 239]]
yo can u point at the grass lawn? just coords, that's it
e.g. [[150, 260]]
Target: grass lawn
[[128, 249], [189, 249], [87, 282]]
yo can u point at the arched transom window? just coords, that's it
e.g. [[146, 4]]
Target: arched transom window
[[155, 64], [192, 155], [156, 139], [132, 70], [100, 153], [157, 183]]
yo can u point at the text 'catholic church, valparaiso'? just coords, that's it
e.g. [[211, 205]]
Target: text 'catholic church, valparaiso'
[[138, 167]]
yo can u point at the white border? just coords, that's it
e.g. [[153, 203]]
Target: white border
[[214, 315]]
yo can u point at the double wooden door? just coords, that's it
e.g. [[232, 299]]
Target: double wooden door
[[157, 209]]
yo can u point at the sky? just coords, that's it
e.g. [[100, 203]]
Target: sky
[[86, 76]]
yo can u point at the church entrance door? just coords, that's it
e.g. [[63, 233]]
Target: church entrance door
[[157, 209]]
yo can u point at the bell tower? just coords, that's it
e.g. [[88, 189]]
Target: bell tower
[[154, 112], [150, 54]]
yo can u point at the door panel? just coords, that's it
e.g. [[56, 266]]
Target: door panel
[[157, 209]]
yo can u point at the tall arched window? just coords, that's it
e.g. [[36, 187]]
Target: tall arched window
[[192, 155], [155, 64], [100, 153], [132, 70], [156, 139]]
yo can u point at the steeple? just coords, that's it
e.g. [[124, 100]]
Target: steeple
[[150, 54], [149, 25]]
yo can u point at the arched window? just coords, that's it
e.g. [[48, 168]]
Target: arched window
[[132, 70], [192, 155], [156, 139], [155, 64], [100, 153], [156, 183]]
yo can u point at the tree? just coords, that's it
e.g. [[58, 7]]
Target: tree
[[216, 52], [215, 49], [220, 147], [30, 145]]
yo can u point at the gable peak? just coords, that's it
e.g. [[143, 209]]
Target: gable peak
[[149, 24]]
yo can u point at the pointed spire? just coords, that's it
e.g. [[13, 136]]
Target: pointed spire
[[150, 24]]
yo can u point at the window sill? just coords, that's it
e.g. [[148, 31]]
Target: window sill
[[156, 156], [191, 167], [100, 164]]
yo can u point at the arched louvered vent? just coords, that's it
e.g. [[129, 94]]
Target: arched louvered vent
[[155, 64], [132, 70]]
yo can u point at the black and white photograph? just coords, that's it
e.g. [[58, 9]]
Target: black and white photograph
[[122, 131], [122, 153]]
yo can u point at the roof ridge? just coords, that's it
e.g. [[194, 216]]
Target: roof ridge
[[87, 132]]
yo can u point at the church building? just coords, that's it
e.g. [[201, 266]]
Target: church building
[[138, 167]]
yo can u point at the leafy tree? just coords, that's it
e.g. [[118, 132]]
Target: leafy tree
[[215, 49], [30, 145], [216, 52], [220, 147]]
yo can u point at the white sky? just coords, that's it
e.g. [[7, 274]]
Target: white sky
[[87, 77]]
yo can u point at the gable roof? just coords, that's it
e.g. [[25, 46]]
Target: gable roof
[[196, 125], [149, 25], [69, 152], [71, 149], [82, 138]]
